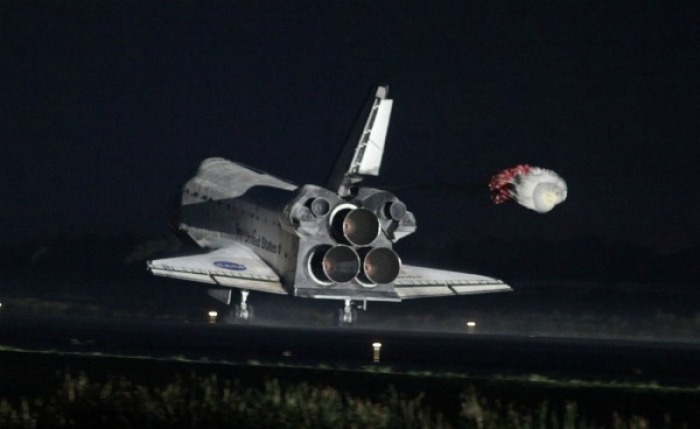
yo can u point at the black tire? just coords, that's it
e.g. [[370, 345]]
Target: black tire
[[236, 313], [341, 323]]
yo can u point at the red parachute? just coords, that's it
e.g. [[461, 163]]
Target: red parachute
[[536, 188]]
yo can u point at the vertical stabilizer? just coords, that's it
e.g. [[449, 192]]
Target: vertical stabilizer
[[362, 153]]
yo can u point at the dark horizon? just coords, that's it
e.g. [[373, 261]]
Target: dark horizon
[[123, 256]]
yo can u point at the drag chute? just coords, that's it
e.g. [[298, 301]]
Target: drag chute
[[536, 188]]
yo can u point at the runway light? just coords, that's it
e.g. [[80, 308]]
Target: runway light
[[212, 316], [471, 326], [376, 347]]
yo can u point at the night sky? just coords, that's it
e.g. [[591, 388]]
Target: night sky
[[107, 107]]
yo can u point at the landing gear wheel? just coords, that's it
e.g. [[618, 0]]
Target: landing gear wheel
[[346, 320], [346, 315], [242, 314]]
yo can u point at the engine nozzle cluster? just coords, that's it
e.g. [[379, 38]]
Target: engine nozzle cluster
[[349, 241]]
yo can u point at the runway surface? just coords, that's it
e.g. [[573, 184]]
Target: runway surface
[[673, 364]]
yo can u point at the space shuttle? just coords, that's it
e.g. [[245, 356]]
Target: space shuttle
[[261, 233]]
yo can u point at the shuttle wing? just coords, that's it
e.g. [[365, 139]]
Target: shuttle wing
[[234, 266], [419, 282]]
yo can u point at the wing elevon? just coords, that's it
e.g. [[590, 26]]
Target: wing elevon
[[420, 282]]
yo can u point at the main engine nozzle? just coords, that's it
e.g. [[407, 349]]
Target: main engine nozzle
[[337, 264], [380, 265], [356, 226]]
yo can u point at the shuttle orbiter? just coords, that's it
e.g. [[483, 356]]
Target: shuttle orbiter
[[265, 234]]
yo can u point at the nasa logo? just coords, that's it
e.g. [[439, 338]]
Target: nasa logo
[[230, 265]]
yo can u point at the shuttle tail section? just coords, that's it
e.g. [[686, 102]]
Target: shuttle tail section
[[363, 152]]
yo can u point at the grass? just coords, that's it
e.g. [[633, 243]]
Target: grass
[[77, 391], [207, 401]]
